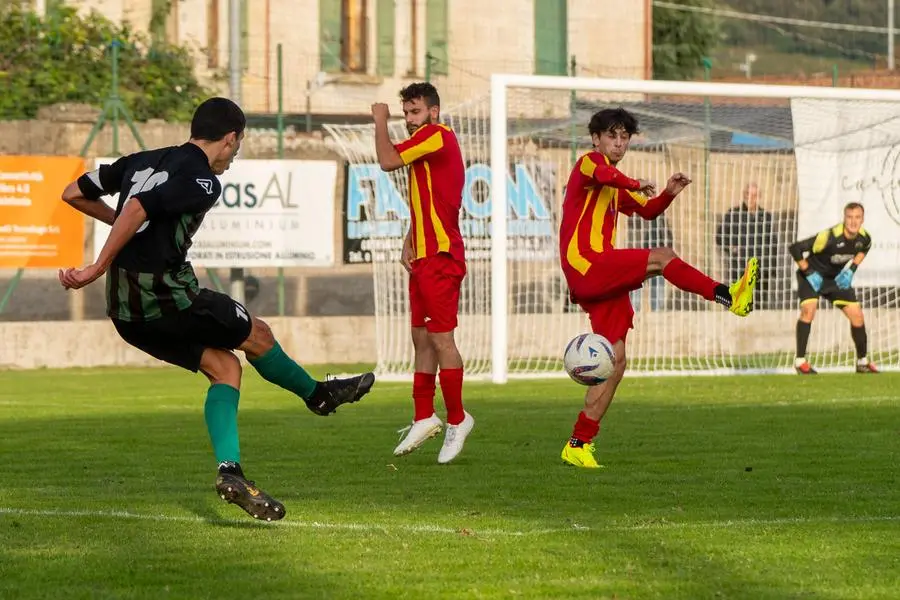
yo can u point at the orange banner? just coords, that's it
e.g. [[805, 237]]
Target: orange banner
[[38, 229]]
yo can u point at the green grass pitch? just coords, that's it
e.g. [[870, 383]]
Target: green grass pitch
[[732, 487]]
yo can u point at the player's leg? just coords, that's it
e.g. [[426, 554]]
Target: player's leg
[[853, 311], [809, 302], [612, 319], [217, 321], [223, 369], [425, 363], [459, 422], [738, 297], [622, 270], [441, 294], [425, 424], [175, 340]]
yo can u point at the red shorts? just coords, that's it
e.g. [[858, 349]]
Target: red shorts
[[603, 291], [434, 285], [611, 318]]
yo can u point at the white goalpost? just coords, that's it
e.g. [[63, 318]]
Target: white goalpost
[[806, 151]]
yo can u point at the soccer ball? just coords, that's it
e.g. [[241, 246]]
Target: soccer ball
[[589, 359]]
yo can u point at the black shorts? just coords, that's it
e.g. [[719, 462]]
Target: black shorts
[[214, 320], [830, 291]]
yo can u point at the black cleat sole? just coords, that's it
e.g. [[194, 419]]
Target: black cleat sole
[[260, 506]]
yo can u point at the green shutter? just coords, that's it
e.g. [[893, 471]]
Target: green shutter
[[385, 26], [330, 35], [436, 41], [550, 37], [245, 34]]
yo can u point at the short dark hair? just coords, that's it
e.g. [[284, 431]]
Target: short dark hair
[[423, 90], [852, 205], [215, 118], [610, 119]]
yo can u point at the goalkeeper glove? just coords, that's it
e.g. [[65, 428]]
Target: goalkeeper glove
[[815, 280], [844, 278]]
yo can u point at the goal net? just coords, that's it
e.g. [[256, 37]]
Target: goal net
[[770, 165]]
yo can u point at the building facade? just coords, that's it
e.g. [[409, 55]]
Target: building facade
[[339, 56]]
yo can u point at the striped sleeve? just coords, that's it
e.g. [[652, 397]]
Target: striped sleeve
[[427, 140], [648, 208], [105, 180], [595, 167]]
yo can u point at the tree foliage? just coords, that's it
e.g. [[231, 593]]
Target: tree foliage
[[66, 58], [812, 40], [681, 40]]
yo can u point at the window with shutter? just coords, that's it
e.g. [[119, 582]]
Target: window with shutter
[[385, 32], [550, 37], [436, 37]]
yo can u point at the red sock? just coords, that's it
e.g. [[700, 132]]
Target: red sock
[[423, 395], [451, 389], [689, 279], [585, 428]]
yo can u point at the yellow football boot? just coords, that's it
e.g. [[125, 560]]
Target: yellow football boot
[[580, 457], [742, 290]]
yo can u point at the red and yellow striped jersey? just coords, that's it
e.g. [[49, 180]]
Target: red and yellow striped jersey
[[436, 178], [595, 195]]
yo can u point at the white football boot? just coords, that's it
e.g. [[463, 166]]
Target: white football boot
[[455, 438], [417, 434]]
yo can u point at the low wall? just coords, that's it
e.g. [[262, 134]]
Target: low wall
[[309, 340], [343, 340]]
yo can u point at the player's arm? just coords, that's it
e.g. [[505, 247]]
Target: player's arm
[[594, 168], [123, 229], [861, 255], [653, 207], [426, 142], [844, 279], [811, 245], [84, 193], [632, 203], [802, 248], [388, 157], [407, 253], [96, 209]]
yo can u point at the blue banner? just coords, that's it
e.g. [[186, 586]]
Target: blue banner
[[377, 212]]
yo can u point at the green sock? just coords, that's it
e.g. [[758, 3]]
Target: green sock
[[221, 421], [277, 367]]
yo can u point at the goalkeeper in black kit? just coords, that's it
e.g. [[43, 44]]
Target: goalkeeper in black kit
[[826, 264]]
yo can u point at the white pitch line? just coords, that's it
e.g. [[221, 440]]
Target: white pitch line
[[426, 528], [364, 527]]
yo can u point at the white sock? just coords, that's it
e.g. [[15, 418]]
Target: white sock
[[863, 361], [799, 361]]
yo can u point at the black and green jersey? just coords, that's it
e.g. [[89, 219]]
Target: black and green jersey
[[828, 251], [151, 277]]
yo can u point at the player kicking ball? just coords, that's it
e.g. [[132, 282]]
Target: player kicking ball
[[434, 256], [600, 276], [826, 264], [155, 301]]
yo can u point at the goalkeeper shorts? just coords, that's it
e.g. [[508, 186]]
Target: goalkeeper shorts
[[830, 291]]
